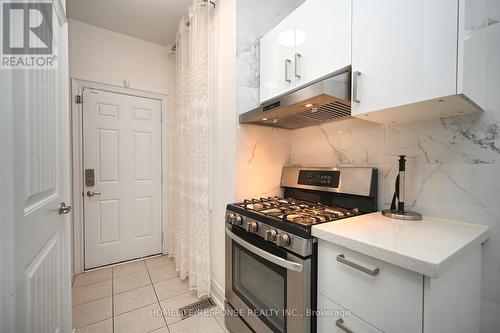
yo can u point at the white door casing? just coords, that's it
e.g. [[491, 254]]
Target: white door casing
[[122, 144], [40, 175]]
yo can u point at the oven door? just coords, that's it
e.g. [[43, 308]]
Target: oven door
[[268, 286]]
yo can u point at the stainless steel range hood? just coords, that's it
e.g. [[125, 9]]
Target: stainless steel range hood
[[323, 101]]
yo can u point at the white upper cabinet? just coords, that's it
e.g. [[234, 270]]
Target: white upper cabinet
[[323, 38], [479, 47], [277, 49], [310, 43], [411, 61], [406, 52]]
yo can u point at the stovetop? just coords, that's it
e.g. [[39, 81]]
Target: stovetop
[[295, 211], [310, 196], [276, 231], [286, 214]]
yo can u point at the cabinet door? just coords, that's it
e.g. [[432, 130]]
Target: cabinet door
[[480, 51], [406, 51], [391, 300], [277, 48], [332, 318], [323, 38]]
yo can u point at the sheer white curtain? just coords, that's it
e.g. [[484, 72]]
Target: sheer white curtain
[[188, 141]]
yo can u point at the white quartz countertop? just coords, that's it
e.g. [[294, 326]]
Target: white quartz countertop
[[428, 247]]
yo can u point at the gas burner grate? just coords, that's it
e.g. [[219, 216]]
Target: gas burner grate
[[297, 211], [196, 307]]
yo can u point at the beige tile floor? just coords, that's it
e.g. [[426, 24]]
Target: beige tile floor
[[140, 296]]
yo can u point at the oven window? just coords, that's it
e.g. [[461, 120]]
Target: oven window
[[261, 285]]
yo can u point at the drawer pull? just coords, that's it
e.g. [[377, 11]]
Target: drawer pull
[[340, 324], [372, 272]]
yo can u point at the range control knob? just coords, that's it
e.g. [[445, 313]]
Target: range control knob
[[229, 218], [270, 234], [237, 220], [252, 226], [283, 240]]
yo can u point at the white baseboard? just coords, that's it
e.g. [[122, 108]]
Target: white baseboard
[[217, 293]]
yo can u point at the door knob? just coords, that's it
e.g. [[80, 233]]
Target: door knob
[[63, 209], [91, 193]]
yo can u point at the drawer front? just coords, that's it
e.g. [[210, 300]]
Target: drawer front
[[387, 296], [333, 318]]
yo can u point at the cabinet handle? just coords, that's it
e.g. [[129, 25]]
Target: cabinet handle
[[355, 86], [287, 61], [297, 58], [341, 258], [340, 324]]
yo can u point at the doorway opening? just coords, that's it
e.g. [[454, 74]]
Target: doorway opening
[[118, 168]]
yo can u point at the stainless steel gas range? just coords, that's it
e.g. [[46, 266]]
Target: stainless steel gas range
[[271, 257]]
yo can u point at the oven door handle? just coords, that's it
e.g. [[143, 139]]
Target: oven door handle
[[264, 254]]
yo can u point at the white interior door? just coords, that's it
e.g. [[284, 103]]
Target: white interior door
[[41, 233], [122, 147]]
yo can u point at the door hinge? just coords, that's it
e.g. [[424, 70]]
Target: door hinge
[[78, 99]]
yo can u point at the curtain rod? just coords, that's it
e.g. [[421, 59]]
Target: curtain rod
[[188, 23], [213, 3]]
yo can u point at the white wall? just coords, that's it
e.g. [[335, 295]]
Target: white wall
[[237, 151], [104, 56], [223, 180]]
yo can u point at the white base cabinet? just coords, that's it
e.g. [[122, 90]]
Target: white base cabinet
[[381, 297], [390, 300], [334, 318]]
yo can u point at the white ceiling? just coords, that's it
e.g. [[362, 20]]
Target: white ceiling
[[152, 20]]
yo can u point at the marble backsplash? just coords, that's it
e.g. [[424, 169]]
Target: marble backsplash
[[453, 168], [261, 152], [453, 171]]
